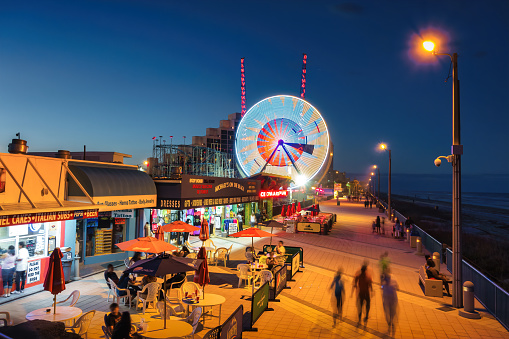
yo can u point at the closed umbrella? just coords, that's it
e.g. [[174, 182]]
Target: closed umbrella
[[162, 265], [201, 276], [283, 211], [298, 207], [55, 280], [146, 245]]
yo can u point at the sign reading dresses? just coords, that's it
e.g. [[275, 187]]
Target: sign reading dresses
[[201, 191], [34, 271], [31, 218]]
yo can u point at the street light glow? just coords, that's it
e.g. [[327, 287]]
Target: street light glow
[[383, 147], [372, 173], [375, 166], [145, 163], [428, 45]]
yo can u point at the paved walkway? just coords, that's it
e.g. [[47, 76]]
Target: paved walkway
[[305, 310]]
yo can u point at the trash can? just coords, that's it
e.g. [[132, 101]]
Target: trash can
[[67, 263], [338, 203]]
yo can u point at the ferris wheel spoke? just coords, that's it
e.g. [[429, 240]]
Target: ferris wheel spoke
[[291, 159]]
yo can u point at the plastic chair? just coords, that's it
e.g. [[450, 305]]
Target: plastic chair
[[172, 287], [221, 254], [209, 243], [189, 247], [75, 295], [171, 311], [229, 252], [106, 332], [264, 276], [152, 289], [192, 255], [116, 289], [80, 327], [244, 273], [126, 262], [249, 257], [7, 320], [189, 287], [194, 319]]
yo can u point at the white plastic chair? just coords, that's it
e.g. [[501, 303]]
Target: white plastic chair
[[126, 262], [7, 320], [171, 311], [117, 297], [263, 277], [194, 319], [81, 325], [192, 255], [172, 287], [209, 243], [189, 287], [221, 254], [229, 252], [152, 289], [244, 273], [75, 295]]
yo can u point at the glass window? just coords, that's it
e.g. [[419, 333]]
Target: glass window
[[119, 227]]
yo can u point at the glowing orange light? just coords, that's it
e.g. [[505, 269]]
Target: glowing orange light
[[375, 166], [383, 147], [145, 163], [425, 41], [372, 173], [428, 45]]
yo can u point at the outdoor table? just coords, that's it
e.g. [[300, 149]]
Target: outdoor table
[[206, 248], [173, 329], [210, 300], [148, 318], [64, 314]]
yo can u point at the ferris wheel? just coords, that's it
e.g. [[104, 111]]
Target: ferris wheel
[[283, 135]]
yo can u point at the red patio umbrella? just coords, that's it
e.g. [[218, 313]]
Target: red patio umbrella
[[55, 280], [204, 230], [147, 245], [298, 207], [293, 208], [283, 211], [201, 276]]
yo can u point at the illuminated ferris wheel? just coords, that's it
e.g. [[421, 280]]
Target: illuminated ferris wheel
[[283, 135]]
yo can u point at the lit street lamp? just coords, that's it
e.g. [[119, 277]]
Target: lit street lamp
[[383, 147], [455, 159], [378, 179]]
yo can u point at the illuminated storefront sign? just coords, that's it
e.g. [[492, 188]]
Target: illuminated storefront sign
[[273, 194], [18, 219]]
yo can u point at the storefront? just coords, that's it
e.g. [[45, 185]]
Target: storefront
[[54, 202], [222, 202]]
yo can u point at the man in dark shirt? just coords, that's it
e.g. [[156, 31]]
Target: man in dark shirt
[[110, 274], [363, 285], [113, 318]]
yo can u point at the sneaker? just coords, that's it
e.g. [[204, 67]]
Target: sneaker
[[9, 295], [14, 292], [6, 295], [22, 291]]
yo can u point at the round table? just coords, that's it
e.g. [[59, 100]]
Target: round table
[[64, 314], [210, 300], [173, 329]]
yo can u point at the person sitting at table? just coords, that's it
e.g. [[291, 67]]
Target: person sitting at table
[[185, 251], [113, 318], [124, 283], [122, 329], [136, 257], [280, 249], [147, 279], [250, 255], [110, 274]]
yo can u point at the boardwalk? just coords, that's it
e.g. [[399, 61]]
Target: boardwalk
[[305, 310]]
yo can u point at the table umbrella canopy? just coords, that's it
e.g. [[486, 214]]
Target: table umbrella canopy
[[164, 264], [272, 224], [179, 226], [201, 276], [252, 232], [147, 245]]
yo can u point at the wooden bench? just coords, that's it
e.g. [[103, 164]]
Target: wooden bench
[[432, 287]]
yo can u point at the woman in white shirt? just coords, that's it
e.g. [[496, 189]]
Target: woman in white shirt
[[8, 266]]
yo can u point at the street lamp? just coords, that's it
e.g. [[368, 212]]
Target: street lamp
[[378, 179], [383, 147], [455, 159]]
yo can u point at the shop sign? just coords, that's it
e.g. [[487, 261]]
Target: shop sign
[[34, 271], [195, 203], [259, 302], [169, 203], [197, 186], [273, 194], [31, 218], [232, 328], [312, 227], [109, 203], [338, 187], [125, 214]]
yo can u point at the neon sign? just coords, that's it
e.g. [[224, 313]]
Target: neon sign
[[273, 194]]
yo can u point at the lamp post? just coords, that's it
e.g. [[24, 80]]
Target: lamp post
[[383, 147], [378, 179], [455, 159]]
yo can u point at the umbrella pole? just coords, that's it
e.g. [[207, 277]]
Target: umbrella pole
[[164, 300], [55, 304]]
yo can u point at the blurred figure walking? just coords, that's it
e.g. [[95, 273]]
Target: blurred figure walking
[[363, 284], [339, 294], [384, 264], [390, 302]]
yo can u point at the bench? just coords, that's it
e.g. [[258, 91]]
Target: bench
[[432, 287]]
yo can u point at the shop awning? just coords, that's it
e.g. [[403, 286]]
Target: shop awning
[[111, 187]]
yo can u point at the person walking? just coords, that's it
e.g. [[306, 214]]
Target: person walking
[[339, 295], [370, 203], [363, 284], [384, 264], [239, 221], [8, 267], [378, 224], [21, 268], [390, 302]]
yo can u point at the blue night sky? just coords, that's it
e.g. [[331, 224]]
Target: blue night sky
[[113, 74]]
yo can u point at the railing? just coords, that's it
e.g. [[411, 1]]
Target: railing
[[492, 296]]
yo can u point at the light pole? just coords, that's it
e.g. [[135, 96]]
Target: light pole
[[378, 179], [455, 159], [383, 147]]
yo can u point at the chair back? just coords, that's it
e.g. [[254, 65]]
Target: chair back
[[262, 260], [221, 253], [113, 286], [192, 255], [209, 243], [126, 262], [195, 318], [249, 256], [230, 250], [170, 312], [106, 332], [189, 287], [280, 260], [84, 322], [265, 276], [153, 289], [75, 297], [243, 270]]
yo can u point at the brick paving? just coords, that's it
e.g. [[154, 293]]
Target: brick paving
[[305, 310]]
